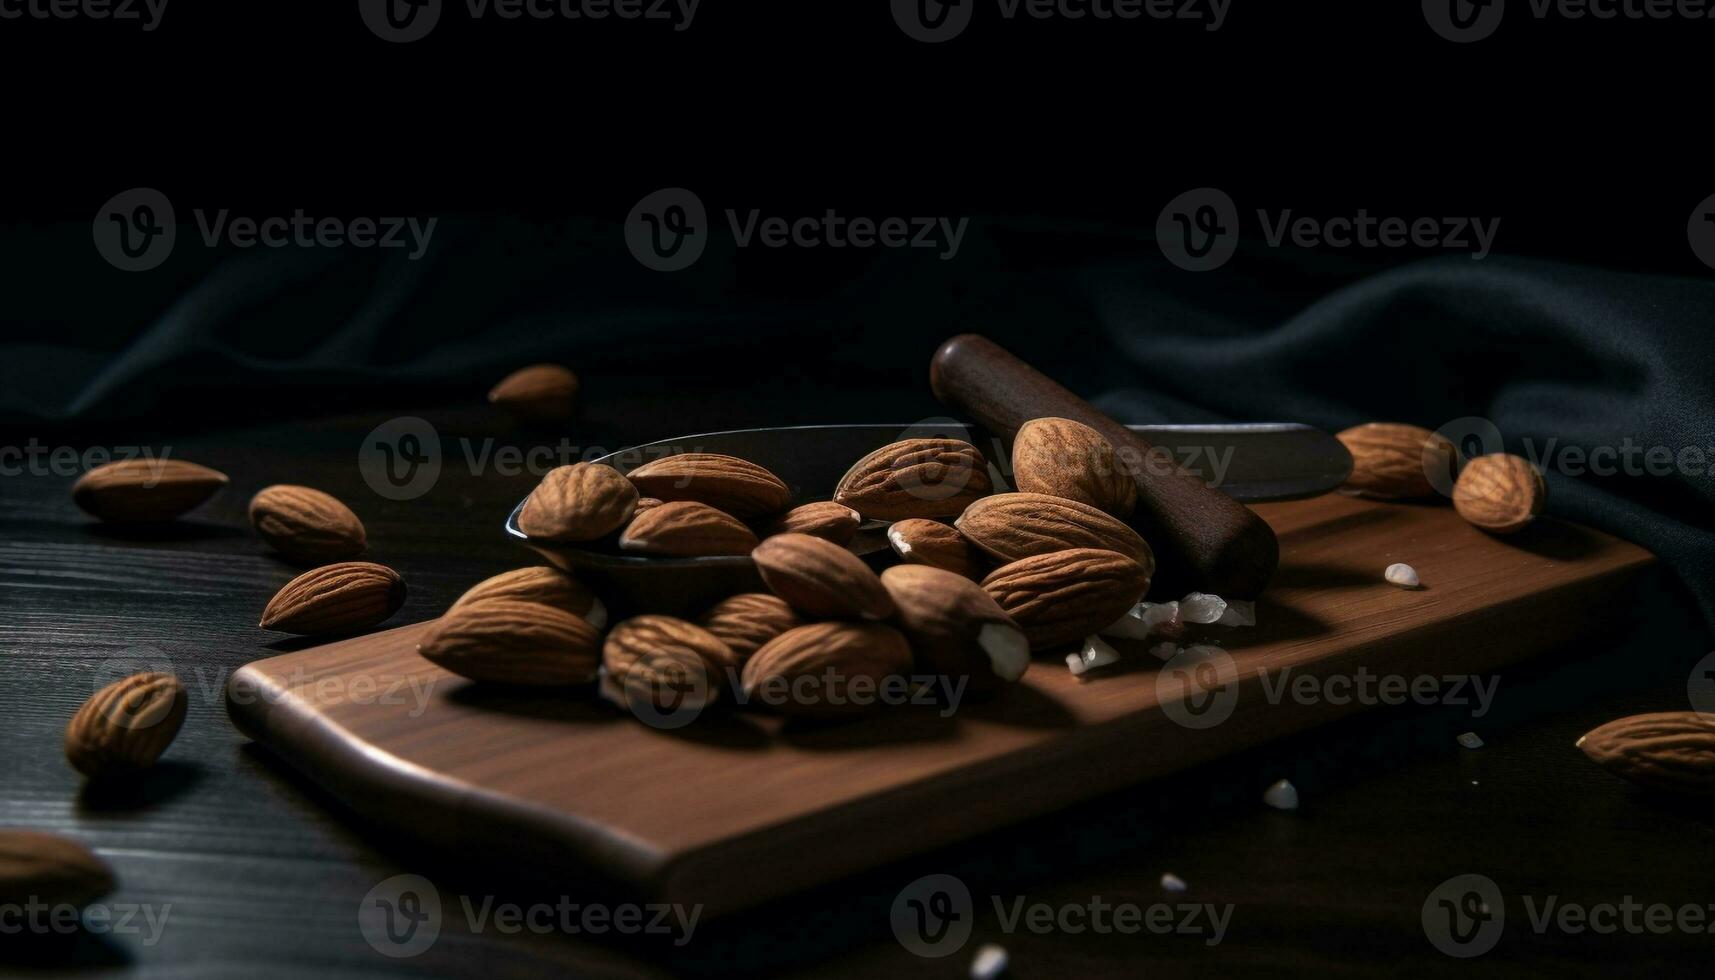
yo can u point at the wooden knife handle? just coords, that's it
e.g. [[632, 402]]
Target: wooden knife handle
[[1201, 537]]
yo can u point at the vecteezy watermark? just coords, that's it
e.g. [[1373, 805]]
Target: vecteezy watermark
[[671, 688], [410, 691], [1465, 21], [1700, 231], [135, 231], [1472, 436], [34, 916], [933, 21], [933, 917], [33, 458], [1700, 686], [403, 21], [1465, 916], [402, 917], [669, 229], [146, 14]]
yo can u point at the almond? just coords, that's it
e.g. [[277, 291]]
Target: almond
[[49, 870], [540, 393], [646, 504], [921, 541], [915, 478], [1500, 493], [1063, 596], [1392, 460], [1064, 458], [544, 585], [138, 491], [748, 620], [687, 529], [1010, 526], [739, 487], [956, 628], [508, 641], [665, 663], [820, 578], [126, 725], [306, 525], [580, 502], [351, 595], [1669, 750], [823, 519], [825, 670]]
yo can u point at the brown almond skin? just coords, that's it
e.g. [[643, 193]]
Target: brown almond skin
[[823, 519], [540, 393], [337, 598], [51, 870], [580, 502], [306, 525], [646, 656], [142, 491], [541, 584], [870, 651], [645, 504], [1500, 494], [748, 620], [1064, 596], [737, 486], [125, 726], [1065, 458], [508, 641], [1672, 751], [1392, 460], [943, 615], [915, 478], [687, 529], [1010, 526], [920, 541], [821, 579]]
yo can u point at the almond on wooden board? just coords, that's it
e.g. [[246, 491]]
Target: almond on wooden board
[[809, 671], [748, 620], [823, 519], [1010, 526], [956, 628], [509, 641], [126, 725], [1064, 458], [1063, 596], [915, 478], [305, 524], [666, 663], [580, 502], [540, 393], [337, 598], [820, 578], [1392, 460], [51, 870], [921, 541], [737, 486], [686, 529], [142, 491], [1668, 750], [1500, 493], [544, 584]]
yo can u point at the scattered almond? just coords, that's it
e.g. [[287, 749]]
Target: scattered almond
[[810, 671], [687, 529], [126, 725], [350, 595], [306, 525], [1392, 460], [748, 620], [921, 541], [820, 578], [509, 641], [141, 491], [50, 870], [1064, 458], [823, 519], [915, 478], [541, 584], [540, 393], [580, 502], [737, 486], [1500, 493], [1011, 526], [956, 629], [1668, 750], [1063, 596]]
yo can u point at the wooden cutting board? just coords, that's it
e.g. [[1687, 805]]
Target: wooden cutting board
[[739, 808]]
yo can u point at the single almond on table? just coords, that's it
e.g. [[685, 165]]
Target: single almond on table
[[542, 393], [921, 541], [1669, 750], [820, 578], [306, 525], [144, 491], [1064, 596], [126, 725], [50, 870], [826, 670], [509, 641], [665, 663], [1010, 526], [350, 595], [915, 478], [737, 486], [580, 502], [687, 529], [1500, 493], [1392, 460], [748, 620], [542, 584], [956, 628], [1064, 458], [823, 519]]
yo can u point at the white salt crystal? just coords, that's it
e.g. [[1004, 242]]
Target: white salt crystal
[[1282, 796], [1471, 740], [1402, 575], [1158, 614], [990, 962], [1240, 612], [1172, 882], [1131, 626], [1097, 652], [1199, 607]]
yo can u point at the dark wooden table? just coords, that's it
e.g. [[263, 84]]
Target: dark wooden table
[[257, 873]]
